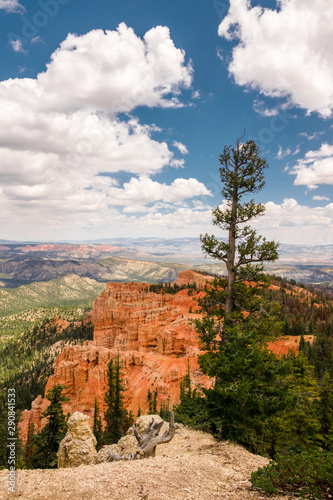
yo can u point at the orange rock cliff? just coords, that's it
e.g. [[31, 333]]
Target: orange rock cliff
[[156, 341]]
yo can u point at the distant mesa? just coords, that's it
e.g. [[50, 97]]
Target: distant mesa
[[68, 248]]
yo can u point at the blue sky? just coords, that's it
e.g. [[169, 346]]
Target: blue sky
[[114, 115]]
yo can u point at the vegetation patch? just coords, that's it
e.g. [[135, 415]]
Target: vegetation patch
[[27, 359], [308, 475]]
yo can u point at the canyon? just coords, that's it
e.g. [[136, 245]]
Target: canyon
[[153, 333], [156, 341]]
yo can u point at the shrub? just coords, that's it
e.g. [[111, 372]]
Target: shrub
[[309, 475]]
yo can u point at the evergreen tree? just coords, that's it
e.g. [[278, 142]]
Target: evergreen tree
[[302, 343], [130, 419], [326, 410], [152, 402], [115, 413], [242, 173], [97, 426], [165, 410], [251, 387], [46, 442]]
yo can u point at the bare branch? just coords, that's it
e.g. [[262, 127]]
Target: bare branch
[[136, 434], [150, 438]]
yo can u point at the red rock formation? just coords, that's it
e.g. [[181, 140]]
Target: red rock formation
[[190, 277], [283, 345], [155, 338], [125, 316]]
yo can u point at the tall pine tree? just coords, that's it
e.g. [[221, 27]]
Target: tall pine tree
[[97, 426], [251, 386], [46, 442], [242, 173], [115, 413]]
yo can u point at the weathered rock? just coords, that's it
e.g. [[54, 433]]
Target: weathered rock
[[34, 416], [288, 343], [127, 445], [142, 422], [104, 453], [78, 446]]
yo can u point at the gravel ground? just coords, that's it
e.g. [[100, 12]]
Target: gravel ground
[[193, 466]]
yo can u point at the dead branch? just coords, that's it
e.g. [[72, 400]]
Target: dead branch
[[150, 438]]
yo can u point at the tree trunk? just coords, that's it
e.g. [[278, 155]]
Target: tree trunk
[[230, 302], [150, 438]]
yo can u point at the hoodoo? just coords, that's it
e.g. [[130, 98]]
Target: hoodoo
[[156, 341]]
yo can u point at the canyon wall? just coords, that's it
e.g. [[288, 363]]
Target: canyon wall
[[154, 336]]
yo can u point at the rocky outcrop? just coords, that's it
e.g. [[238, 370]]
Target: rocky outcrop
[[142, 422], [283, 345], [190, 277], [156, 341], [128, 317], [78, 446], [128, 444], [104, 453]]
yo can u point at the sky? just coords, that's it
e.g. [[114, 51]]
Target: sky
[[114, 115]]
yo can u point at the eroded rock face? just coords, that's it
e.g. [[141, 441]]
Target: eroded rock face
[[156, 341], [128, 317], [79, 445]]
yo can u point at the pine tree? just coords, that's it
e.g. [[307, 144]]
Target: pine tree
[[302, 343], [46, 442], [326, 410], [251, 384], [242, 173], [130, 419], [115, 413], [165, 410], [97, 426]]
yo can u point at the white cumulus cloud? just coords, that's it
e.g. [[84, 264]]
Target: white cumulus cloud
[[115, 71], [315, 168], [11, 6], [284, 52], [64, 144], [144, 190], [291, 222]]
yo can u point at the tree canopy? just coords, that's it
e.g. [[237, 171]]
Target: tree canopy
[[244, 252]]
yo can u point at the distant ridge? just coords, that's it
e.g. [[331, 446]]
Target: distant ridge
[[66, 291]]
